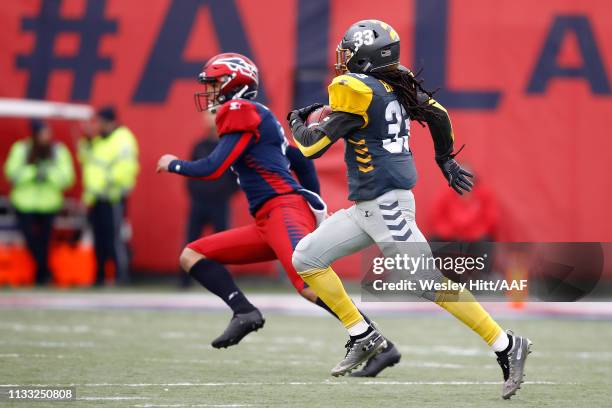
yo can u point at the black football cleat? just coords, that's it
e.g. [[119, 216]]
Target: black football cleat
[[240, 325], [389, 357]]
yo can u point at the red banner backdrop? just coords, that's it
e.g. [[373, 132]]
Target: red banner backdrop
[[527, 85]]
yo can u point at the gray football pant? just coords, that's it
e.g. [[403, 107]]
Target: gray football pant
[[388, 221]]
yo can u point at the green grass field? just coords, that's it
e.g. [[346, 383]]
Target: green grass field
[[139, 358]]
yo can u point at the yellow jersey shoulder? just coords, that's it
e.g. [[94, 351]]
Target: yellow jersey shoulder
[[348, 93]]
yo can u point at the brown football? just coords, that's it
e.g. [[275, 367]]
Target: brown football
[[318, 116]]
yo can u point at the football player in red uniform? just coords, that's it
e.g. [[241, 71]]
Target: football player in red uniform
[[252, 143]]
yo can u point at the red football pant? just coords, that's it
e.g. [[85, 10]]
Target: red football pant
[[279, 225]]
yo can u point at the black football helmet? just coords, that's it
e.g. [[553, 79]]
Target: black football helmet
[[368, 46]]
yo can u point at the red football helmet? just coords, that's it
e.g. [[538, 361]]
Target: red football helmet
[[226, 76]]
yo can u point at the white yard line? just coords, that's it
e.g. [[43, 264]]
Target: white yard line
[[191, 361], [587, 355], [307, 383], [458, 383], [446, 350], [284, 303], [434, 364], [41, 328], [16, 355], [50, 344], [191, 405], [264, 362], [117, 398]]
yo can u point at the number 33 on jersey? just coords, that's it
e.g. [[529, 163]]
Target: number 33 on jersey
[[378, 155]]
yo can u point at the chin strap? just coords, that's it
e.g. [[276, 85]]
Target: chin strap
[[240, 92]]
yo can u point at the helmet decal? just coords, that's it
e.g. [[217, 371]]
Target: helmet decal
[[227, 76], [368, 46], [236, 64], [365, 37]]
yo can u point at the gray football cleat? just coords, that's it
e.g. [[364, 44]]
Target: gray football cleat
[[513, 364], [358, 351]]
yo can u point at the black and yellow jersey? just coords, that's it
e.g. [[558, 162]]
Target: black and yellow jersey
[[377, 155], [367, 114]]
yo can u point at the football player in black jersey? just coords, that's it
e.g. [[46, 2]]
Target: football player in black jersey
[[373, 100]]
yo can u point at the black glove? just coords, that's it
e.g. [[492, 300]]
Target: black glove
[[302, 113], [457, 176]]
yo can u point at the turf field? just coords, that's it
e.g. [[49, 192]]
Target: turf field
[[162, 358]]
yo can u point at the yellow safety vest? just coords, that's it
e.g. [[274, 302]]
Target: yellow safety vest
[[38, 188], [110, 165]]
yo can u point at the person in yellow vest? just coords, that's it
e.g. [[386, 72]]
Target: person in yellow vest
[[39, 170], [109, 157]]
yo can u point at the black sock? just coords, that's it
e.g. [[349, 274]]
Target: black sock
[[362, 335], [370, 330], [367, 320], [323, 305], [217, 279]]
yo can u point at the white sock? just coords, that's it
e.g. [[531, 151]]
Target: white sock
[[358, 328], [501, 342]]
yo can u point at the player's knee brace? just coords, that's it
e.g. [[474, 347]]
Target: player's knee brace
[[304, 259]]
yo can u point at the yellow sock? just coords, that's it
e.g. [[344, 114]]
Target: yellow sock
[[326, 284], [464, 307]]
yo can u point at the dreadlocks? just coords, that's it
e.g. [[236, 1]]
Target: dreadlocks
[[407, 88]]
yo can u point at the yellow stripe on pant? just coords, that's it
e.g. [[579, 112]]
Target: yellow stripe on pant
[[326, 284]]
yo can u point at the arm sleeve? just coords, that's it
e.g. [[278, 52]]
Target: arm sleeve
[[304, 169], [440, 126], [313, 142], [231, 146]]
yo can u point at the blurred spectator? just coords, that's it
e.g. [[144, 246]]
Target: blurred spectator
[[470, 217], [39, 170], [109, 156], [208, 200]]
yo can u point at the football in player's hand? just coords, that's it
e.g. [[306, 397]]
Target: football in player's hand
[[318, 116]]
